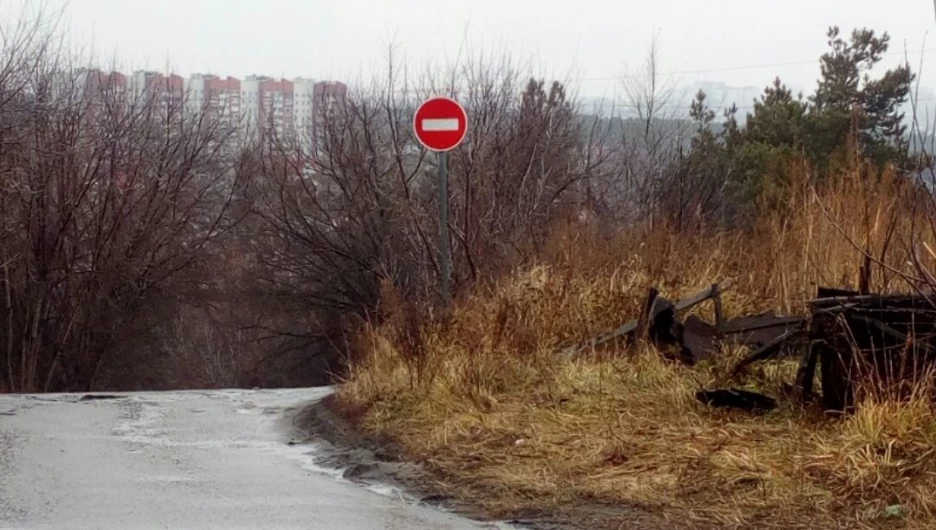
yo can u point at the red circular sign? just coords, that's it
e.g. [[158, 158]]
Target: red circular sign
[[440, 124]]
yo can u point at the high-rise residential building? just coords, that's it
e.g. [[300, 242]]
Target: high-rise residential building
[[327, 96], [220, 98], [293, 110], [103, 95], [97, 81], [102, 87], [330, 93], [155, 91], [267, 104], [304, 105], [277, 111], [250, 102]]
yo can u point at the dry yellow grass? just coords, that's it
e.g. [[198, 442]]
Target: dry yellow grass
[[484, 402]]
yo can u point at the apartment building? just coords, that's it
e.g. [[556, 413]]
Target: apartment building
[[100, 88], [97, 82], [304, 105], [328, 96], [276, 107], [220, 97], [292, 110], [156, 91]]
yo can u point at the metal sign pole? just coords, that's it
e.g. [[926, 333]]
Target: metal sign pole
[[444, 258], [440, 124]]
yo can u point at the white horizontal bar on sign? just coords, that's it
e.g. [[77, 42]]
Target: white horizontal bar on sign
[[440, 124]]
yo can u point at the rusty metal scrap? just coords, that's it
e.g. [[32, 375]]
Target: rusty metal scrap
[[847, 337], [759, 330], [735, 398], [699, 337], [886, 340], [656, 313], [695, 339]]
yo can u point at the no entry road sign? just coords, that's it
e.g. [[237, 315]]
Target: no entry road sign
[[440, 124]]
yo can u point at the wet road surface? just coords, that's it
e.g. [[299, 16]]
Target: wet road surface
[[181, 460]]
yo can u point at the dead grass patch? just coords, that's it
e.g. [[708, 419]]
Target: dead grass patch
[[506, 424]]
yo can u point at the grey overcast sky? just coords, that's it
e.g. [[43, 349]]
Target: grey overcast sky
[[591, 39]]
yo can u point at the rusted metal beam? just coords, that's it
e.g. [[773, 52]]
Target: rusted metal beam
[[702, 296], [719, 312], [767, 350], [632, 326], [846, 300], [738, 326], [646, 313], [806, 372]]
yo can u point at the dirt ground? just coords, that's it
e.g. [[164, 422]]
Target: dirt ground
[[373, 461]]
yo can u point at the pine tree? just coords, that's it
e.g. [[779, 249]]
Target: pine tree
[[847, 100]]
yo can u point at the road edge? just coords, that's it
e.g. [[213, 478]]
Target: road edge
[[370, 461]]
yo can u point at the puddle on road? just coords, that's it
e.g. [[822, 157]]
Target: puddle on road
[[100, 397]]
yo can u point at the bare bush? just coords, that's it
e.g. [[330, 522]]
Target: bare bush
[[361, 208], [651, 137], [109, 196]]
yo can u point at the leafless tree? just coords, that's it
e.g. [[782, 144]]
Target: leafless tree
[[136, 229], [361, 209], [652, 133], [109, 197]]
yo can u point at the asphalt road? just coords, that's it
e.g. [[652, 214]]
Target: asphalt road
[[181, 460]]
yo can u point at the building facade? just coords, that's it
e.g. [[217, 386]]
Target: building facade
[[290, 110], [156, 92]]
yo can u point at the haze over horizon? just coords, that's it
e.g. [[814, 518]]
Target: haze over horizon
[[741, 44]]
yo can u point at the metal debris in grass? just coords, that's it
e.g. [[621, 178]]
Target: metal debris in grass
[[888, 341]]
